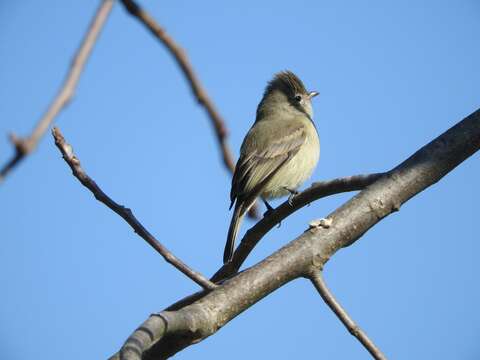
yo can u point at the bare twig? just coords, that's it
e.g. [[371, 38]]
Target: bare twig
[[317, 279], [317, 191], [124, 212], [198, 91], [24, 146]]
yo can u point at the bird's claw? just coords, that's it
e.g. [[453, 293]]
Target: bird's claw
[[292, 195], [268, 212], [269, 208]]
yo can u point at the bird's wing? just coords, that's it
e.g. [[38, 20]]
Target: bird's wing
[[261, 159]]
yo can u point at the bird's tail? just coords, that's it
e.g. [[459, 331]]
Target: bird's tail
[[237, 218]]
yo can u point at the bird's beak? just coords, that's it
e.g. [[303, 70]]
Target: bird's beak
[[312, 94]]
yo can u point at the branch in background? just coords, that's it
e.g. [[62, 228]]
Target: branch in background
[[317, 191], [198, 91], [24, 146], [125, 213], [197, 317], [317, 279]]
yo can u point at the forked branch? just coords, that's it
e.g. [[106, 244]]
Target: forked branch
[[190, 320], [317, 191]]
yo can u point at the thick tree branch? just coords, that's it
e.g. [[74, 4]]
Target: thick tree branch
[[317, 280], [316, 191], [24, 146], [198, 90], [204, 315], [125, 213]]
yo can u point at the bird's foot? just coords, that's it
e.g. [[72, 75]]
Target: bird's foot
[[292, 195], [269, 208], [268, 212]]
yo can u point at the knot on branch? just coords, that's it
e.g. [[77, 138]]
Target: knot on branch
[[323, 223], [354, 330], [131, 7], [23, 146]]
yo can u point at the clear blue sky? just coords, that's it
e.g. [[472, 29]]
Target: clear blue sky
[[76, 281]]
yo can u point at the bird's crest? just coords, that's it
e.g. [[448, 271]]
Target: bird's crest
[[287, 82]]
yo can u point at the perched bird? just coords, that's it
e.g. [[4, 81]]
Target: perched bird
[[279, 152]]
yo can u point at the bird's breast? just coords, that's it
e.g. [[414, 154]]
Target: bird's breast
[[298, 169]]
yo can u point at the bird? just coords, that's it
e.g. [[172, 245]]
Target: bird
[[279, 152]]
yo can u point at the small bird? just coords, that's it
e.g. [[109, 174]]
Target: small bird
[[279, 152]]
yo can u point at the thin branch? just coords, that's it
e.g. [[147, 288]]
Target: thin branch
[[181, 58], [198, 90], [202, 316], [317, 279], [24, 146], [316, 191], [125, 213]]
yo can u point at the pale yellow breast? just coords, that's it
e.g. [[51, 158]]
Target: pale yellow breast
[[294, 173]]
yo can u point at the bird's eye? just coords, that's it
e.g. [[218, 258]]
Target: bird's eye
[[298, 98]]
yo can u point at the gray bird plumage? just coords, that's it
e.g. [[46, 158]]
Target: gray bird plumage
[[279, 152]]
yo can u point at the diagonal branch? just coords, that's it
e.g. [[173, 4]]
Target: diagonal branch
[[317, 191], [125, 213], [24, 146], [202, 314], [198, 91], [181, 58], [317, 279]]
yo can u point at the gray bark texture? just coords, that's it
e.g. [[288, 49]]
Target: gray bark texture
[[202, 314]]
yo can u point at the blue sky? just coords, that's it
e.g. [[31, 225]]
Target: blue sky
[[75, 279]]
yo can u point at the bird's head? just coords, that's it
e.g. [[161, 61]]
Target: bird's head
[[286, 92]]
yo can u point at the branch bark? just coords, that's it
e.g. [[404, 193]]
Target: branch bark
[[125, 213], [202, 314], [25, 146], [198, 90]]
